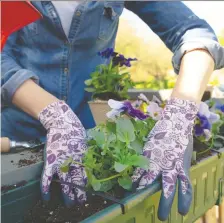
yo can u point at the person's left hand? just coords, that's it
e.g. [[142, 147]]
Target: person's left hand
[[66, 138], [169, 150]]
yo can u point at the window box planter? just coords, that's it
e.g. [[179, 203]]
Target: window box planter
[[207, 177], [207, 180]]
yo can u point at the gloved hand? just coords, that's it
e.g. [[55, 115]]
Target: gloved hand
[[65, 139], [169, 150]]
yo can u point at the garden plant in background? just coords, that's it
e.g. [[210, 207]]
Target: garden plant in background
[[157, 82], [111, 80], [115, 148]]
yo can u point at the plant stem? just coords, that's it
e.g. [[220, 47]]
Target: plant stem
[[212, 143], [81, 164], [109, 178]]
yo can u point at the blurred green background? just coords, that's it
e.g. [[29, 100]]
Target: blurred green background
[[154, 66]]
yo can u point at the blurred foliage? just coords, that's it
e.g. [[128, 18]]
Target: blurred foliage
[[156, 83], [153, 69], [154, 63]]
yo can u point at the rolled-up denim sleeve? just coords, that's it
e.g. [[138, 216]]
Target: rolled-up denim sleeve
[[12, 74], [179, 28]]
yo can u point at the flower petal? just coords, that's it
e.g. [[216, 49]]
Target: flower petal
[[136, 104], [207, 134], [113, 113], [156, 100], [204, 109], [143, 98], [213, 118], [115, 104], [154, 110]]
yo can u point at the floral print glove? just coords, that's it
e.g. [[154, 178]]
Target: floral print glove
[[169, 150], [65, 139]]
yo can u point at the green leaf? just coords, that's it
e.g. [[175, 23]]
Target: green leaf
[[111, 127], [95, 183], [218, 144], [216, 127], [150, 124], [125, 182], [98, 137], [89, 89], [139, 161], [118, 146], [110, 140], [137, 146], [65, 166], [88, 82], [219, 137], [106, 186], [125, 130], [90, 161], [119, 167]]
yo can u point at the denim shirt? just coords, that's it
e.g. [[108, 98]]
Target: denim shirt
[[60, 64]]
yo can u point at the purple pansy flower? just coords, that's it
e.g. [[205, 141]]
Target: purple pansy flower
[[136, 104], [117, 59], [119, 107], [143, 98], [220, 107], [122, 61], [204, 111], [154, 110], [136, 113], [207, 134], [201, 125], [109, 52]]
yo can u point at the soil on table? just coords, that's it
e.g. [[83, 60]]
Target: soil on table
[[7, 188], [56, 212], [36, 156]]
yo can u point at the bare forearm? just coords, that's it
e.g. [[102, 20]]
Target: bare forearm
[[31, 98], [195, 71]]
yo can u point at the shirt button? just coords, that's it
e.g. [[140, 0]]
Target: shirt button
[[66, 70], [78, 13]]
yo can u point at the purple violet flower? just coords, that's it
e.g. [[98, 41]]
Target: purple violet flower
[[136, 113], [117, 59], [122, 61], [118, 107], [220, 107], [204, 111], [202, 125], [109, 52]]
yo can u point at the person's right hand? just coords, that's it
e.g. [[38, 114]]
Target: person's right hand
[[169, 150], [65, 139]]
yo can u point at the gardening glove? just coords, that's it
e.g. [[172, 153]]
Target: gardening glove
[[169, 150], [65, 139]]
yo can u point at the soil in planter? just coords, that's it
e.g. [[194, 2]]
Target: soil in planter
[[56, 212], [7, 188]]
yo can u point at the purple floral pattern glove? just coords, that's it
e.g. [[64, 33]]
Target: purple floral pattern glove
[[65, 139], [166, 150]]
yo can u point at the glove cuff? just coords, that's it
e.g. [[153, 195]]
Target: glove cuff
[[52, 113], [187, 108]]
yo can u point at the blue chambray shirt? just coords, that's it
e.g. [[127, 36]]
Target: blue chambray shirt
[[61, 64]]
